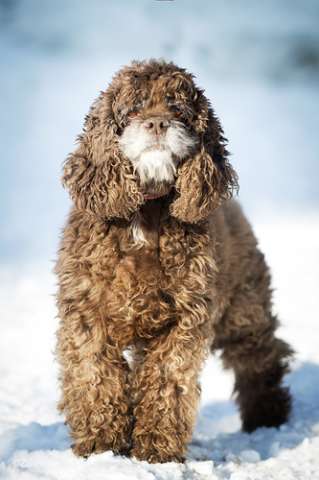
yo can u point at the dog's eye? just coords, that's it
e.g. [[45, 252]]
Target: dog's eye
[[176, 109]]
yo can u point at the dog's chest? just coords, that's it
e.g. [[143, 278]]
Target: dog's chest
[[139, 291], [152, 279]]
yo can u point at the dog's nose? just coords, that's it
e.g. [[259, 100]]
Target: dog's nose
[[157, 125]]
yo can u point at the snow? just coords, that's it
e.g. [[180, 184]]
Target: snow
[[259, 63]]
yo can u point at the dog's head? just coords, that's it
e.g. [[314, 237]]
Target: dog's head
[[152, 132]]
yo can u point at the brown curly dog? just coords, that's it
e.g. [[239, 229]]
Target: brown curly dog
[[158, 260]]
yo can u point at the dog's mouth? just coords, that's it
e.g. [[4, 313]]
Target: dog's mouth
[[154, 196], [155, 191], [157, 146]]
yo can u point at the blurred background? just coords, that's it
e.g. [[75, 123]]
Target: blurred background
[[257, 60], [259, 64]]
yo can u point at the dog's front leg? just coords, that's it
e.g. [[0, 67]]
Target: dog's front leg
[[95, 397], [166, 394]]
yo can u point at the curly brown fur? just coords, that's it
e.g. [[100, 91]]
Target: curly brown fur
[[195, 282]]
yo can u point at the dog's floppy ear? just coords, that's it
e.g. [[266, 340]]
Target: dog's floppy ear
[[207, 178], [100, 180]]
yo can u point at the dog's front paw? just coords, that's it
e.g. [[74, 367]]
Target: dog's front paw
[[83, 449], [152, 456], [154, 449], [119, 446]]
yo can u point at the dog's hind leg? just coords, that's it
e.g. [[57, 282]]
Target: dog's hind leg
[[246, 335]]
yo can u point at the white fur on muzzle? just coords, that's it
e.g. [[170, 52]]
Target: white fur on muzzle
[[156, 159]]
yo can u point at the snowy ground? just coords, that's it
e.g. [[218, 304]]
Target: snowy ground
[[34, 442], [259, 64]]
